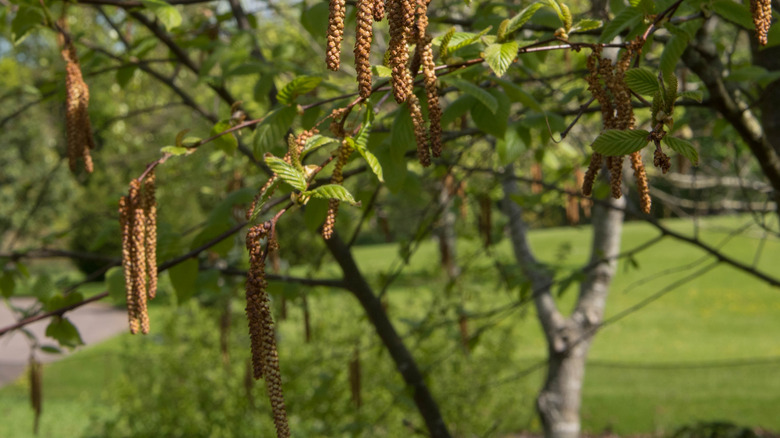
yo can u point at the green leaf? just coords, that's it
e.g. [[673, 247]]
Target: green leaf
[[315, 19], [125, 74], [175, 150], [683, 147], [401, 136], [43, 288], [272, 129], [381, 71], [627, 18], [315, 142], [287, 172], [522, 17], [501, 56], [58, 301], [184, 277], [332, 191], [51, 349], [64, 332], [477, 92], [511, 147], [495, 123], [25, 20], [227, 143], [642, 81], [167, 14], [673, 50], [444, 43], [296, 87], [7, 284], [693, 95], [615, 142], [262, 200], [460, 40], [456, 109], [518, 94], [360, 145], [586, 25], [115, 284], [734, 12]]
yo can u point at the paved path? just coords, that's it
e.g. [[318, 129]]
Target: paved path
[[95, 321]]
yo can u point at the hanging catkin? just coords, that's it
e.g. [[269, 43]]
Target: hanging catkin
[[78, 126], [345, 150], [265, 359], [762, 18], [363, 38], [336, 13]]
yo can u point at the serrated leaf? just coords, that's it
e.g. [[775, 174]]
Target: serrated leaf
[[296, 87], [272, 129], [628, 17], [227, 143], [683, 147], [332, 191], [693, 95], [360, 143], [265, 196], [522, 17], [477, 92], [381, 71], [642, 81], [184, 278], [586, 25], [460, 40], [167, 14], [501, 56], [315, 142], [287, 172], [444, 43], [614, 142], [673, 50]]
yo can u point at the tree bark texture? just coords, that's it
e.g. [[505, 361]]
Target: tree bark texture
[[404, 362], [568, 338]]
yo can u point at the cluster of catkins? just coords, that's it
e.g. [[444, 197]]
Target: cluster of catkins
[[606, 81], [265, 359], [762, 18], [78, 126], [408, 23], [138, 221]]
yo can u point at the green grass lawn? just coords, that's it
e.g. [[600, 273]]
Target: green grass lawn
[[655, 370]]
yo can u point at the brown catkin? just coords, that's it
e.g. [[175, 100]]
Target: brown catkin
[[345, 150], [420, 131], [762, 18], [265, 358], [139, 265], [400, 16], [126, 224], [150, 209], [78, 126], [336, 13], [661, 160], [432, 96], [378, 10], [590, 176], [641, 181], [363, 46], [615, 165]]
